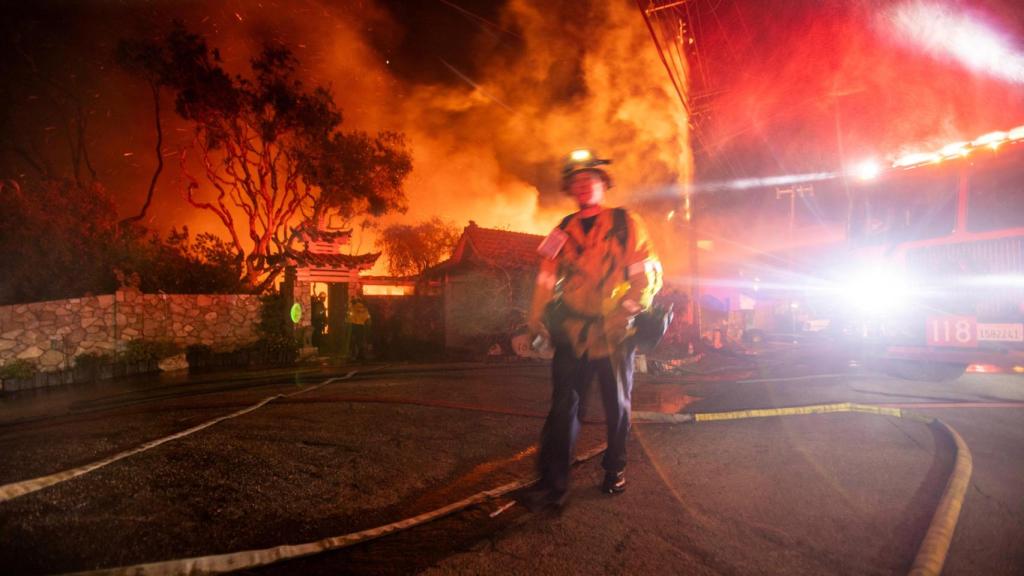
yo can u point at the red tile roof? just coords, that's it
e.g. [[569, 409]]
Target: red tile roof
[[501, 248]]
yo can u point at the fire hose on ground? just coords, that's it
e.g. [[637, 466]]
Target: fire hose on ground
[[929, 559]]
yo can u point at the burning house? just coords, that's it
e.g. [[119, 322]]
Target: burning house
[[486, 286]]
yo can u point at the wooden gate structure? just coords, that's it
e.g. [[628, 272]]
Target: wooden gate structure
[[323, 259]]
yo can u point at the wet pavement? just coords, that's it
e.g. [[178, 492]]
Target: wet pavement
[[838, 493]]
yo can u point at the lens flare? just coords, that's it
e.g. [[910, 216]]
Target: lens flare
[[941, 31], [876, 290], [867, 170]]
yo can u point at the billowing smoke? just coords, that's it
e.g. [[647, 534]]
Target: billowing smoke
[[488, 146], [490, 150], [793, 88], [487, 143]]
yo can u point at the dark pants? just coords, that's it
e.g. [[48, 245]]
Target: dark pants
[[357, 341], [318, 334], [571, 377]]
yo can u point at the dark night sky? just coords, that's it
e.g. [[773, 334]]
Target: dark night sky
[[491, 93]]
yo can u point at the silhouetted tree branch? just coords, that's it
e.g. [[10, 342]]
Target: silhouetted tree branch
[[270, 150]]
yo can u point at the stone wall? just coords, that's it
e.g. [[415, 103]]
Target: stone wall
[[484, 305], [51, 334]]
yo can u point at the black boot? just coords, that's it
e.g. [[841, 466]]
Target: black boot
[[614, 483]]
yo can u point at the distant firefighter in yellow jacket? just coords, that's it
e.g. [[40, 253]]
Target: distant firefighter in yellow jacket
[[598, 272], [359, 322]]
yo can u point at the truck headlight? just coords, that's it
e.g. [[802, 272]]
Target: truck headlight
[[877, 291]]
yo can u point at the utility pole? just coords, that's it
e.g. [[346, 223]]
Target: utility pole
[[793, 192], [802, 191], [693, 258], [668, 23]]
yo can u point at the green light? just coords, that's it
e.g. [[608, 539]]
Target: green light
[[296, 312]]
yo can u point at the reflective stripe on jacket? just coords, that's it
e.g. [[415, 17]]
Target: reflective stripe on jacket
[[599, 275]]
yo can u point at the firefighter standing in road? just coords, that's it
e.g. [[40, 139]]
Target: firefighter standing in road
[[598, 272]]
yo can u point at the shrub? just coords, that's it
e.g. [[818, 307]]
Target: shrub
[[91, 361], [198, 354], [278, 351], [278, 343], [275, 321], [17, 370], [149, 350]]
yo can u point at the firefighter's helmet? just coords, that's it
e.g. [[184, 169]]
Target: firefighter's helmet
[[584, 160]]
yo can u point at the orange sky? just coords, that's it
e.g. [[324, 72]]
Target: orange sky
[[534, 79], [485, 147]]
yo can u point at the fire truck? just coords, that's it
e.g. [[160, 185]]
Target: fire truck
[[933, 279], [930, 277]]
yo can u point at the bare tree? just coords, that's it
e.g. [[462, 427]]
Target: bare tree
[[411, 249], [146, 60], [270, 150]]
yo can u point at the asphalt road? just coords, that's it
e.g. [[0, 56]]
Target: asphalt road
[[832, 493]]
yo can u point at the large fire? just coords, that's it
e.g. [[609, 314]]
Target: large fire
[[487, 143], [801, 89]]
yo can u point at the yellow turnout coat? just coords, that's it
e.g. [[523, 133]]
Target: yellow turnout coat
[[602, 277]]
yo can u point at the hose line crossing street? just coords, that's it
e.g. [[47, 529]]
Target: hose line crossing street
[[409, 396], [15, 489]]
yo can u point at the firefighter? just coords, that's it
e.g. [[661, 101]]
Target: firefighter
[[318, 315], [598, 271], [359, 327]]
